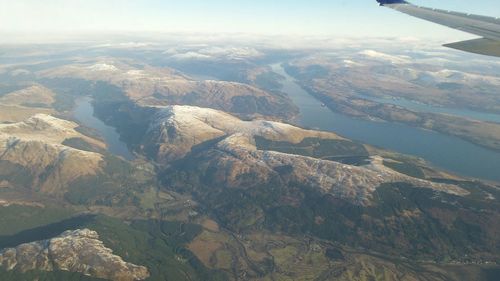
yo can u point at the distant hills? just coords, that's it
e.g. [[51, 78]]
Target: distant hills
[[223, 185]]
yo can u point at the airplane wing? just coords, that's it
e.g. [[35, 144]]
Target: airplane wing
[[486, 27]]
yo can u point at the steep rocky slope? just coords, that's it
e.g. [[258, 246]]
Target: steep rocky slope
[[75, 251]]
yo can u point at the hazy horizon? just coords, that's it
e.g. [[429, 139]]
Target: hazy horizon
[[76, 20]]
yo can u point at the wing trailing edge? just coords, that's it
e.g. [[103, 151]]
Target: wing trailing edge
[[486, 27], [482, 46]]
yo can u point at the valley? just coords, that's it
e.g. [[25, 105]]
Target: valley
[[449, 153], [134, 168], [84, 113]]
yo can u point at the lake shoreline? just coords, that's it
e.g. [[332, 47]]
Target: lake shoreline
[[83, 112], [448, 153]]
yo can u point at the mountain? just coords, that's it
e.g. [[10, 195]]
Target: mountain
[[176, 129], [236, 153], [150, 86], [33, 154], [220, 186], [436, 80], [32, 96], [341, 92], [47, 158], [18, 105], [261, 175], [74, 251]]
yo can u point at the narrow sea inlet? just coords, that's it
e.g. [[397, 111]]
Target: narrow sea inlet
[[84, 113], [446, 152]]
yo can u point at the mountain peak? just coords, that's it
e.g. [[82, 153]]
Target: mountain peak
[[74, 251]]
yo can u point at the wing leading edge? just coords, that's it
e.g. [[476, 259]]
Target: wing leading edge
[[486, 27]]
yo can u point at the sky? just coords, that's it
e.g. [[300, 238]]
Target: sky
[[354, 18]]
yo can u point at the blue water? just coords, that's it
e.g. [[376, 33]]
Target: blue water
[[84, 113], [447, 152], [415, 106]]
